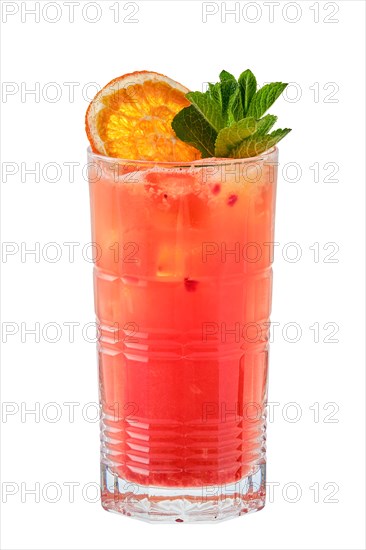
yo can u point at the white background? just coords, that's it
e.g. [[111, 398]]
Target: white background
[[297, 46]]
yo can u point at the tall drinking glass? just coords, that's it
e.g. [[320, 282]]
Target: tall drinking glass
[[182, 283]]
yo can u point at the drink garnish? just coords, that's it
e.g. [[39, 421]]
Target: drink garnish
[[130, 118], [228, 120]]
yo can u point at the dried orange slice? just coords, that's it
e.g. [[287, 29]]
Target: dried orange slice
[[130, 118]]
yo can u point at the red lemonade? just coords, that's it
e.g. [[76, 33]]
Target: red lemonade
[[183, 295]]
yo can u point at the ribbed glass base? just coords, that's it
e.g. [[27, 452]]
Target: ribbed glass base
[[183, 504]]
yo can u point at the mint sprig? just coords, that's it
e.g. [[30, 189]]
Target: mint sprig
[[228, 119]]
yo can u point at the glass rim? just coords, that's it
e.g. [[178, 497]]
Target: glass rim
[[199, 163]]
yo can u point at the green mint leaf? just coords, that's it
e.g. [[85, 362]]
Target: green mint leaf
[[265, 124], [235, 107], [228, 120], [209, 109], [248, 87], [231, 136], [254, 145], [190, 126], [225, 75], [264, 98], [215, 92], [228, 85]]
